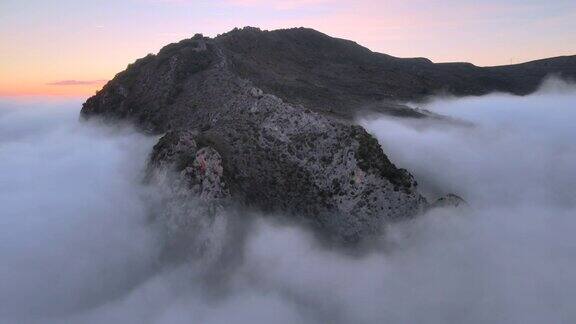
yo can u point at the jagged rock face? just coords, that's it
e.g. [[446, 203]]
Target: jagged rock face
[[199, 167], [331, 175], [189, 179], [262, 118], [151, 91]]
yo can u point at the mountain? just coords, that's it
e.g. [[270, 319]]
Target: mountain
[[306, 67], [265, 119]]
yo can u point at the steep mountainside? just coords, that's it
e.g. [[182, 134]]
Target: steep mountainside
[[263, 118]]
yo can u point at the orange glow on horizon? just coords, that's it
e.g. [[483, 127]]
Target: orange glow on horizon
[[49, 90], [65, 48]]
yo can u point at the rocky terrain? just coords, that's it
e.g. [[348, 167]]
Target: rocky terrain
[[265, 119]]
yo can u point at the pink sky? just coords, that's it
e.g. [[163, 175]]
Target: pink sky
[[68, 47]]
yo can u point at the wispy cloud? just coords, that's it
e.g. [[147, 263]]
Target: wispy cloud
[[76, 82]]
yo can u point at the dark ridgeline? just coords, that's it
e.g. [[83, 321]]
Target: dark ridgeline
[[323, 73], [265, 119]]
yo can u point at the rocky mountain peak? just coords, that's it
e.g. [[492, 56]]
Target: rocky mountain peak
[[266, 119]]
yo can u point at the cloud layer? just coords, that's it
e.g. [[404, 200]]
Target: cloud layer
[[76, 82], [72, 232], [76, 247]]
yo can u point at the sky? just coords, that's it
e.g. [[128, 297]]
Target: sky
[[70, 47]]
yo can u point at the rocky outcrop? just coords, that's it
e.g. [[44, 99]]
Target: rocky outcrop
[[332, 176], [200, 168], [449, 201], [228, 140], [263, 119], [189, 179]]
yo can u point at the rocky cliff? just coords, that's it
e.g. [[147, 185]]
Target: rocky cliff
[[264, 119]]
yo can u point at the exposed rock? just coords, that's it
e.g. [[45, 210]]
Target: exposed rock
[[449, 201], [332, 175], [264, 119], [191, 182], [256, 93]]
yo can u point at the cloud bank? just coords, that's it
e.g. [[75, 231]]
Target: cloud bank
[[72, 222], [76, 82], [76, 246]]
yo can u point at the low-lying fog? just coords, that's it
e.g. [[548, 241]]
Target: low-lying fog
[[76, 246]]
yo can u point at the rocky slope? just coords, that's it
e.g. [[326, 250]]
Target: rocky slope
[[323, 73], [263, 118]]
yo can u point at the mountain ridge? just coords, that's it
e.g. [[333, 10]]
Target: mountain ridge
[[267, 119], [340, 77]]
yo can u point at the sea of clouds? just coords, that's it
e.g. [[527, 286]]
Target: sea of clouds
[[76, 245]]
